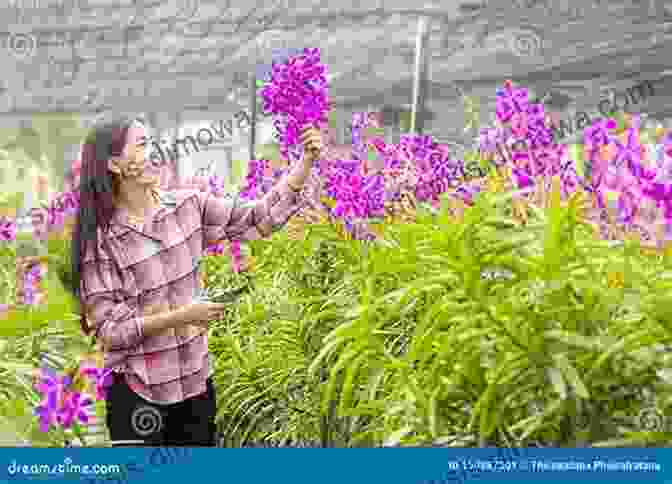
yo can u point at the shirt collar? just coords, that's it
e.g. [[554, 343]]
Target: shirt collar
[[119, 224]]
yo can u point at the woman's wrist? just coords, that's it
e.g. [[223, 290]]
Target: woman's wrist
[[298, 176], [157, 323]]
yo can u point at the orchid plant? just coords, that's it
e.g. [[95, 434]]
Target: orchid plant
[[355, 195], [67, 399]]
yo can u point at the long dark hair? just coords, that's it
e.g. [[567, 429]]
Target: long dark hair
[[98, 190]]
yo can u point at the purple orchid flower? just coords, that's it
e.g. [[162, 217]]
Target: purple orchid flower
[[76, 407], [631, 151], [70, 202], [8, 230], [538, 134], [101, 378], [489, 139], [55, 217], [627, 207], [53, 389], [217, 184], [522, 178], [510, 101], [216, 249], [598, 133], [35, 273], [29, 296], [47, 413]]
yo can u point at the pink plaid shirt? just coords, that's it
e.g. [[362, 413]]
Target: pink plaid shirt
[[159, 265]]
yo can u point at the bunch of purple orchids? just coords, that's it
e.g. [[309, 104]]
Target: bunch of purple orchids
[[62, 404]]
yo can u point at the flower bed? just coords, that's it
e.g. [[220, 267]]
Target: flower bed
[[448, 333]]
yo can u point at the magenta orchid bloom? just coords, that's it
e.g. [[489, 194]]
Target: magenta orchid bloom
[[667, 144], [217, 184], [631, 151], [569, 180], [53, 389], [76, 408], [519, 124], [101, 378], [628, 206], [8, 230], [510, 101], [298, 95], [489, 138], [236, 255], [599, 133], [216, 249], [522, 178]]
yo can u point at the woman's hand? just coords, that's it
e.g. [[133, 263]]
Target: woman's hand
[[311, 138]]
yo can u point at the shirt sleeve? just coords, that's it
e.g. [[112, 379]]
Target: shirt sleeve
[[235, 219], [117, 325]]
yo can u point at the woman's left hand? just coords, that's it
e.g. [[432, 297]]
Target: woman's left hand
[[311, 138]]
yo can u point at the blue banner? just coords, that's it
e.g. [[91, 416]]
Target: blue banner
[[352, 466]]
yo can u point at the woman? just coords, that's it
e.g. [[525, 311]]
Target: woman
[[135, 260]]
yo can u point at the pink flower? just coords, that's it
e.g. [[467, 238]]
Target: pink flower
[[76, 407], [216, 249], [101, 378], [8, 229], [519, 124], [236, 256]]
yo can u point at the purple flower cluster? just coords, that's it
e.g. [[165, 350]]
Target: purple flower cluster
[[360, 122], [527, 121], [7, 229], [217, 185], [31, 283], [356, 195], [434, 172], [51, 218], [261, 177], [64, 406], [618, 166], [218, 248], [616, 161], [297, 93]]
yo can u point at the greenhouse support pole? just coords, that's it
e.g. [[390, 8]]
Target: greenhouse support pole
[[253, 113], [420, 61], [179, 169]]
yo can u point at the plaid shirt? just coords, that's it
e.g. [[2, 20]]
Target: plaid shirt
[[159, 269]]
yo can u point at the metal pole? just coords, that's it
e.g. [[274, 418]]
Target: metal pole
[[253, 113], [180, 172], [423, 98], [417, 84]]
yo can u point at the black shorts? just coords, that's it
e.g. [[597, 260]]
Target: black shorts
[[133, 421]]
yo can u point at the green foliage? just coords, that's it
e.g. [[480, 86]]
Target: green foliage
[[403, 341], [7, 273], [31, 337], [11, 200]]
